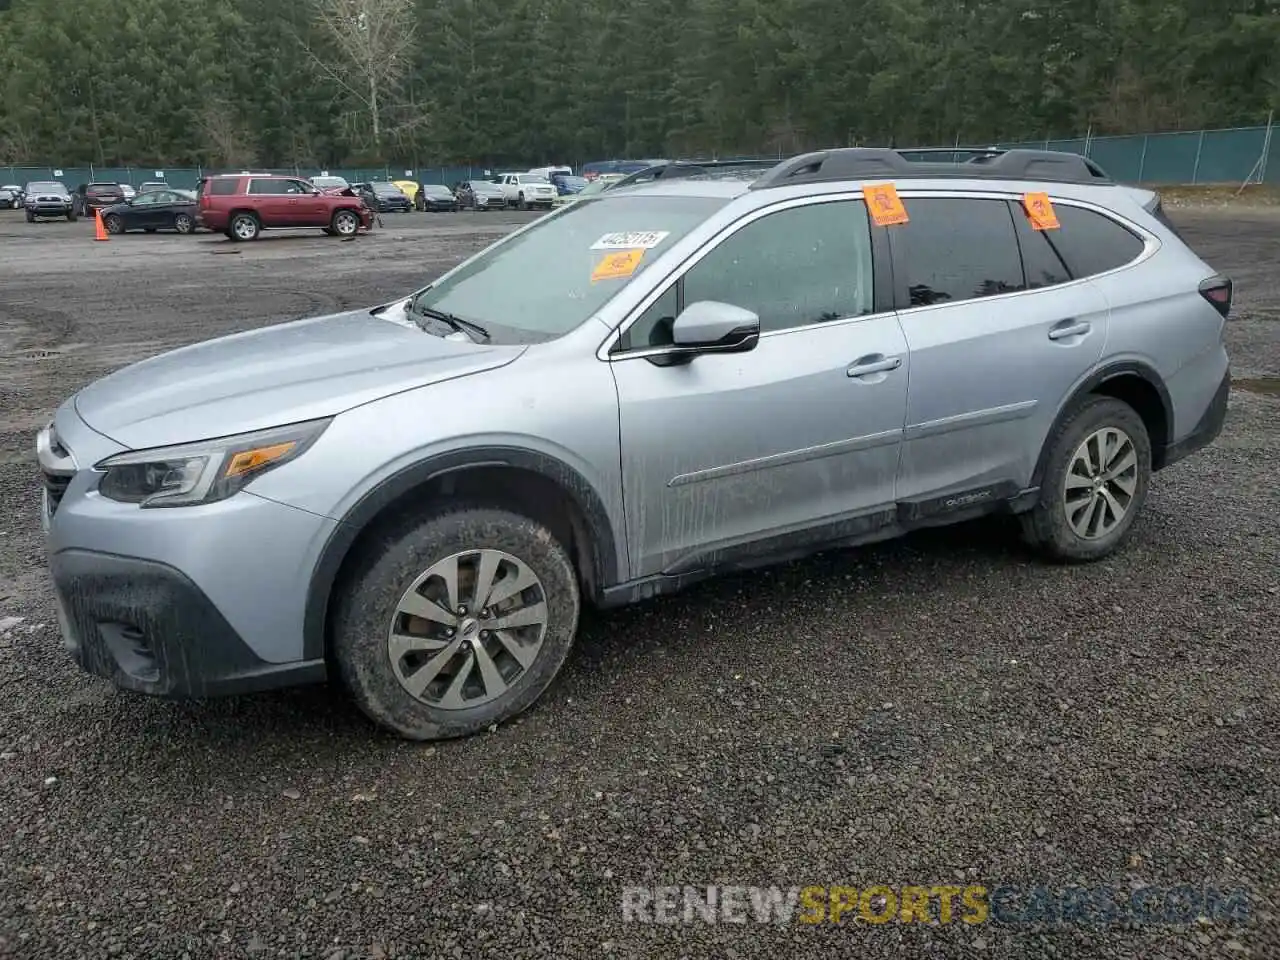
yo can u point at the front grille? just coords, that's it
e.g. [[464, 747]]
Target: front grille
[[55, 486]]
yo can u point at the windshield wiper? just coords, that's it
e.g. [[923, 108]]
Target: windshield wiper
[[456, 322]]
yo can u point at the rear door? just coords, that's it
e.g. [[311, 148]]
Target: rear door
[[998, 333], [270, 202]]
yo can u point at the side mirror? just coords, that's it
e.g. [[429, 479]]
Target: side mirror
[[709, 326]]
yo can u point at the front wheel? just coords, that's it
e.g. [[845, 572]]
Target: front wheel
[[345, 223], [455, 622], [1095, 483]]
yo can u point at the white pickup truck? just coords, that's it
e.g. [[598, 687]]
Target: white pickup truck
[[526, 190]]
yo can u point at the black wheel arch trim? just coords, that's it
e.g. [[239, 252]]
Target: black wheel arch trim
[[1096, 379], [603, 545]]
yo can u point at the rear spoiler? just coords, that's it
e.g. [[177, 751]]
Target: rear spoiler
[[1149, 200]]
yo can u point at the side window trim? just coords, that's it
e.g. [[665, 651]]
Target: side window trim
[[881, 282], [1151, 243]]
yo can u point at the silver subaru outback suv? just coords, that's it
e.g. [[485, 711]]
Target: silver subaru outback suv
[[648, 387]]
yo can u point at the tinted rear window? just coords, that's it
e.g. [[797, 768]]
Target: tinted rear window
[[221, 188], [956, 249], [1091, 243], [1040, 260]]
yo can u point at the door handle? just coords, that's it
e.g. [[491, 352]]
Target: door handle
[[868, 365], [1070, 328]]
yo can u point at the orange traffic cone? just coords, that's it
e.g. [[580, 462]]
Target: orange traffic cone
[[100, 231]]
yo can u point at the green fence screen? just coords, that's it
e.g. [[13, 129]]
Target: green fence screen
[[1202, 157]]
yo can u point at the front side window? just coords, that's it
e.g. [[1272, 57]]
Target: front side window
[[546, 281], [801, 266], [955, 249]]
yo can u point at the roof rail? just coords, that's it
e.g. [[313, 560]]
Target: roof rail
[[673, 169], [880, 163]]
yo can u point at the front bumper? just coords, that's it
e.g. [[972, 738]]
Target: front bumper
[[48, 209], [179, 601], [147, 627]]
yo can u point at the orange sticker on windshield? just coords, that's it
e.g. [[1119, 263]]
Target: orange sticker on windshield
[[1040, 210], [885, 205], [623, 263]]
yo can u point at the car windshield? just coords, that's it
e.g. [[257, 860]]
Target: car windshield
[[385, 188], [328, 182], [484, 186], [437, 191], [45, 187], [544, 282], [569, 181], [533, 178]]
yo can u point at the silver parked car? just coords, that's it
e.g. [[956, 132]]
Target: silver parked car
[[647, 387]]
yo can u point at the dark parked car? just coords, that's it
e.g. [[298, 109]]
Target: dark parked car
[[567, 185], [434, 197], [481, 195], [384, 197], [47, 199], [152, 211], [95, 196], [11, 196]]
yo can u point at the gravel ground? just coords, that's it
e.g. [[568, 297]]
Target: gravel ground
[[940, 709]]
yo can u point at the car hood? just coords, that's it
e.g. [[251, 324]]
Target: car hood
[[276, 375]]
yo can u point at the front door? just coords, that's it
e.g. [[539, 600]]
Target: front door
[[733, 456], [998, 337]]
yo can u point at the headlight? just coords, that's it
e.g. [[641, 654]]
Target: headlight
[[202, 472]]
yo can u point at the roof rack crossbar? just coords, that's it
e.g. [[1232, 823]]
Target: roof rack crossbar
[[881, 163]]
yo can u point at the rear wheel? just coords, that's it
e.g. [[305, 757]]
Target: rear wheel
[[244, 226], [31, 217], [455, 622], [183, 223], [113, 224], [345, 223], [1094, 484]]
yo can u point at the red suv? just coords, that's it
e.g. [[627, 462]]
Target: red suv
[[244, 204]]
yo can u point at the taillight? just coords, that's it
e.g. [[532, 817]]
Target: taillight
[[1217, 290]]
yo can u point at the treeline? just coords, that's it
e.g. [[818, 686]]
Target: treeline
[[328, 82]]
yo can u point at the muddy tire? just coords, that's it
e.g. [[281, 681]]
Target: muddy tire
[[1094, 485], [452, 622]]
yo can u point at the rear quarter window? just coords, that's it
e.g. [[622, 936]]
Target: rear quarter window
[[1090, 243], [221, 188]]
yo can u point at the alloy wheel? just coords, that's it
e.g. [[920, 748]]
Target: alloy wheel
[[468, 629], [1101, 481]]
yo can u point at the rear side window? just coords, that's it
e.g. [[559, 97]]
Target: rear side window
[[267, 186], [1040, 260], [955, 249], [221, 188], [1090, 243]]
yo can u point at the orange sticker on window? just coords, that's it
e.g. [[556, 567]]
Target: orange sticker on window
[[623, 263], [885, 205], [1040, 210]]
